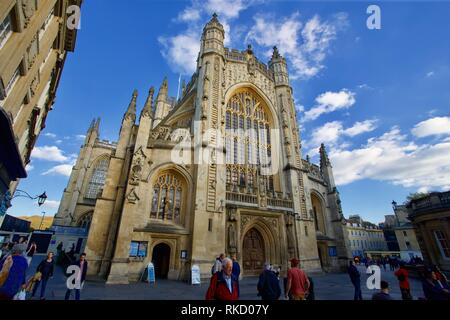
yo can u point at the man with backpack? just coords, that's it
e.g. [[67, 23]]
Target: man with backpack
[[402, 276]]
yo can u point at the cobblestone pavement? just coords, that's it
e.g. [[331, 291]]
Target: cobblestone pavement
[[328, 286]]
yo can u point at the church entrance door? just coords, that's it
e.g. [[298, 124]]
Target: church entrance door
[[161, 260], [253, 252]]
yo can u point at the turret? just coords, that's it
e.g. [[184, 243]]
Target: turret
[[213, 37], [145, 121], [326, 168], [163, 107], [128, 122], [279, 67]]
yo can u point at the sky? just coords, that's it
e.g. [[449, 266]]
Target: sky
[[378, 98]]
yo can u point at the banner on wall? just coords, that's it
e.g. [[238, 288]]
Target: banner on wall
[[195, 272]]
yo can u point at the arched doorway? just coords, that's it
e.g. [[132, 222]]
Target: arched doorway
[[161, 260], [318, 212], [253, 252]]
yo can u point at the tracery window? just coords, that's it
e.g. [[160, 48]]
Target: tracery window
[[247, 140], [98, 179], [167, 197], [85, 221]]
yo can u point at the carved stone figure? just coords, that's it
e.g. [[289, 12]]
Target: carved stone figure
[[231, 236]]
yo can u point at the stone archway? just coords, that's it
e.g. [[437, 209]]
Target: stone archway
[[253, 252], [161, 260]]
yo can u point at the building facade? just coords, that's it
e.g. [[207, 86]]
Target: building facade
[[364, 236], [34, 41], [405, 234], [430, 216], [218, 170]]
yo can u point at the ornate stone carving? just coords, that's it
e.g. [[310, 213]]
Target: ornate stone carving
[[137, 166], [132, 196], [232, 241], [28, 9]]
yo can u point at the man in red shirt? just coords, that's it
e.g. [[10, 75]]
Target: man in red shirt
[[224, 285], [402, 276], [297, 282]]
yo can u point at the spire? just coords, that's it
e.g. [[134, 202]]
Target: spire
[[91, 127], [324, 160], [163, 90], [97, 124], [214, 23], [276, 53], [131, 111], [148, 108]]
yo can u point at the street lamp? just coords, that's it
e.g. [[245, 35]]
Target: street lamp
[[41, 198]]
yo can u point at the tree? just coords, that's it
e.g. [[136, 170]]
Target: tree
[[416, 195]]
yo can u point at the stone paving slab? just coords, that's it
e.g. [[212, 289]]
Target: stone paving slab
[[328, 286]]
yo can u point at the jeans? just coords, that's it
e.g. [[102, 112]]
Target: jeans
[[43, 284], [358, 292], [77, 294]]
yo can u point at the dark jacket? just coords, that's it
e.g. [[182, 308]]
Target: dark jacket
[[433, 291], [354, 274], [269, 286], [311, 295], [83, 274], [236, 270], [381, 296], [218, 289], [16, 277], [46, 268]]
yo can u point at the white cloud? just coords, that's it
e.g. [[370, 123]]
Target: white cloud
[[361, 127], [181, 50], [391, 157], [48, 153], [305, 44], [189, 15], [80, 136], [29, 167], [61, 170], [51, 205], [331, 132], [50, 135], [365, 86], [330, 101], [431, 127], [58, 141], [430, 74]]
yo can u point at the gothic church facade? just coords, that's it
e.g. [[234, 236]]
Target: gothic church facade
[[140, 205]]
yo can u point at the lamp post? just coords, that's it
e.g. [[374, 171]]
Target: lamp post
[[42, 221]]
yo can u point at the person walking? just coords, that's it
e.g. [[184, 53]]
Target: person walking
[[81, 277], [434, 289], [402, 276], [217, 267], [236, 267], [45, 268], [384, 293], [30, 252], [297, 282], [223, 285], [355, 278], [16, 267], [311, 295], [268, 284]]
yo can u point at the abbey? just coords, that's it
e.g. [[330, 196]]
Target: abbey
[[140, 205]]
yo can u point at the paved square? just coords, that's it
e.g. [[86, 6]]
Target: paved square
[[327, 287]]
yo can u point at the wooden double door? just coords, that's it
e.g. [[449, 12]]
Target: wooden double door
[[253, 252]]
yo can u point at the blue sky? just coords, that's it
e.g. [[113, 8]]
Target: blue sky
[[379, 99]]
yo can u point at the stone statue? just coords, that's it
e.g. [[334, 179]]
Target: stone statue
[[231, 236]]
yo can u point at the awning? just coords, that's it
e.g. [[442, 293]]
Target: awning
[[9, 153]]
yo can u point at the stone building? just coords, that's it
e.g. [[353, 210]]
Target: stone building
[[218, 170], [364, 237], [34, 41], [430, 216], [405, 233]]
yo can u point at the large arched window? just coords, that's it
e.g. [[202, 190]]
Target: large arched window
[[167, 197], [318, 211], [97, 179], [247, 140], [85, 221]]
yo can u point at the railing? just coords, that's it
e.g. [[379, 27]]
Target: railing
[[242, 197], [281, 203], [433, 201]]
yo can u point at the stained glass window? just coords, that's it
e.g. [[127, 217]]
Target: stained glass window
[[98, 179], [167, 197]]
